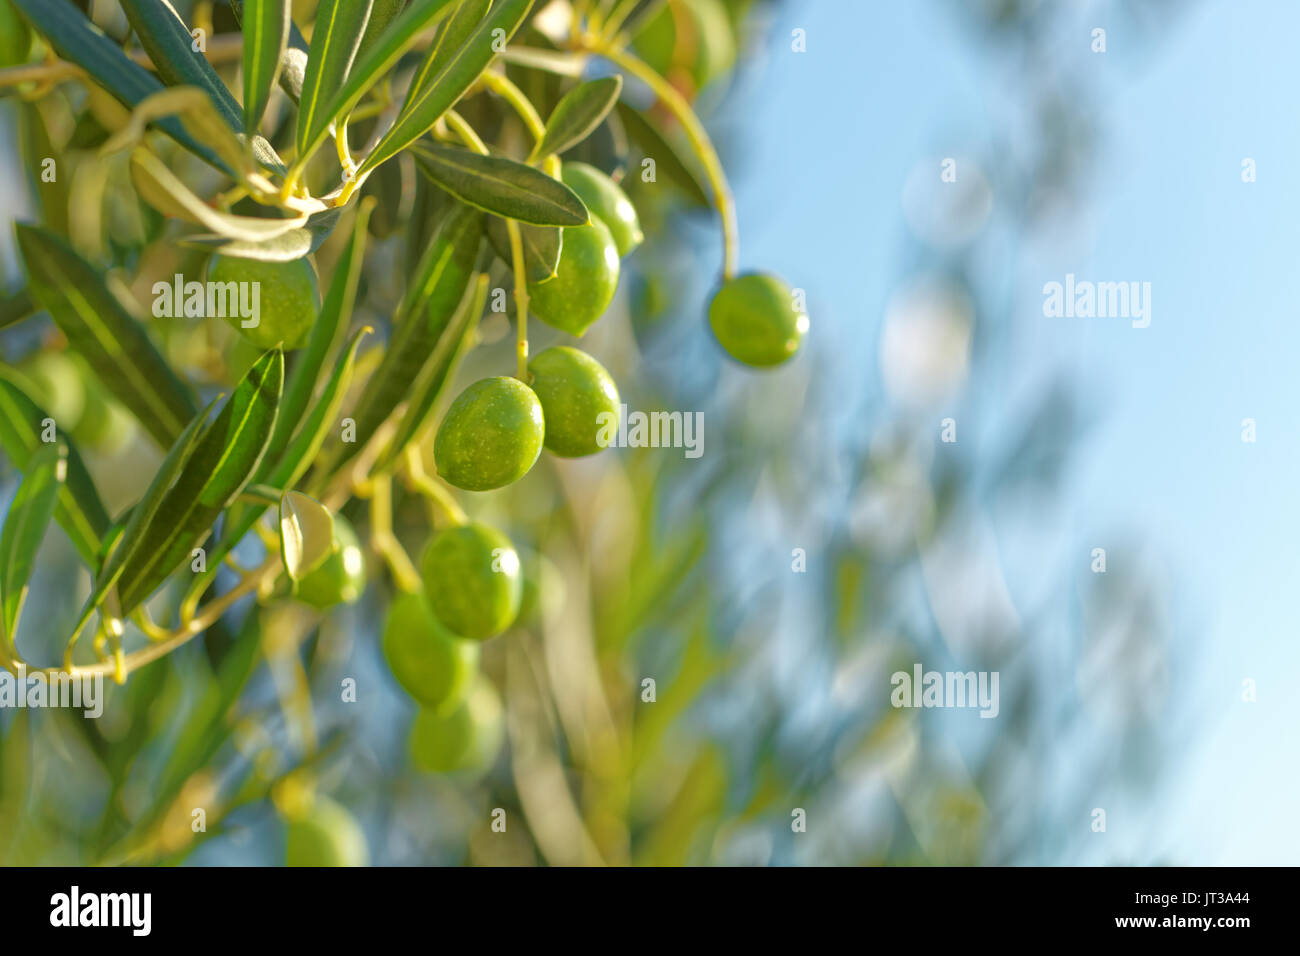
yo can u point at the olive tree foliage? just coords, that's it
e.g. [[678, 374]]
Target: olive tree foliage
[[258, 368]]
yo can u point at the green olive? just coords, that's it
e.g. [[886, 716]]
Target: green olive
[[607, 202], [491, 435], [15, 36], [57, 387], [286, 299], [575, 391], [694, 37], [466, 738], [326, 835], [754, 318], [584, 281], [432, 664], [472, 579], [342, 577]]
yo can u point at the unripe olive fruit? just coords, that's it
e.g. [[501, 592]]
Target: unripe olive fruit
[[341, 577], [469, 737], [432, 664], [694, 36], [472, 579], [754, 319], [326, 835], [584, 281], [491, 435], [287, 299], [607, 202], [57, 387], [575, 390]]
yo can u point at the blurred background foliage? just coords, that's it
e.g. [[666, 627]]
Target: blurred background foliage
[[771, 684]]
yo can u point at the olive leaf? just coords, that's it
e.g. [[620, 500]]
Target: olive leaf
[[99, 327], [162, 190], [376, 61], [196, 113], [24, 528], [170, 46], [578, 113], [285, 247], [451, 37], [292, 464], [448, 79], [225, 455], [542, 245], [126, 538], [334, 41], [382, 13], [77, 40], [334, 314], [501, 186], [15, 308], [452, 346], [265, 25], [441, 281], [293, 58], [78, 509], [306, 534], [667, 161]]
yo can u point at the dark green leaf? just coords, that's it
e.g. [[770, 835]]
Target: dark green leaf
[[334, 41], [24, 528], [375, 62], [79, 509], [453, 35], [578, 113], [449, 78], [225, 456], [99, 327], [541, 244], [382, 13], [266, 35], [501, 186], [293, 61], [15, 308], [653, 145]]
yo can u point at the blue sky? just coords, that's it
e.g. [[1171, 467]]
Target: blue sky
[[831, 136]]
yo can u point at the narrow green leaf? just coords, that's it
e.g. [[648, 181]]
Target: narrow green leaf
[[24, 528], [293, 59], [431, 300], [376, 62], [196, 113], [79, 509], [162, 190], [306, 534], [128, 541], [578, 113], [542, 245], [501, 186], [16, 307], [428, 387], [265, 25], [99, 327], [334, 315], [225, 456], [449, 80], [668, 162], [170, 46], [77, 40], [334, 40], [382, 13], [453, 35]]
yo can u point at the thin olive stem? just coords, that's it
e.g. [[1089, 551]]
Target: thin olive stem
[[466, 132], [500, 84], [609, 30], [423, 483], [521, 300], [699, 140], [385, 542]]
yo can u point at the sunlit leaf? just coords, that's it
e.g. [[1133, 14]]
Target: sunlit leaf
[[578, 113], [334, 41], [24, 529], [265, 27], [500, 186], [306, 534]]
